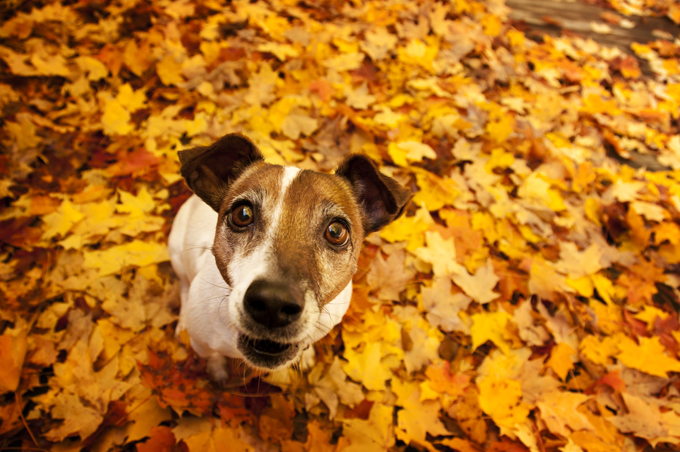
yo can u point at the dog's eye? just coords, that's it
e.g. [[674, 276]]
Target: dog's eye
[[336, 233], [242, 216]]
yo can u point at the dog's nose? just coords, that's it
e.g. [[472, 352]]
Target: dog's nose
[[272, 304]]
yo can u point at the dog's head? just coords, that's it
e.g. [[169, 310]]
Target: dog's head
[[287, 240]]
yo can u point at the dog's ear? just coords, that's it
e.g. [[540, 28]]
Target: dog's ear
[[381, 198], [209, 170]]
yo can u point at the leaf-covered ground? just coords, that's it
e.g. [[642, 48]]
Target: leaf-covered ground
[[527, 300]]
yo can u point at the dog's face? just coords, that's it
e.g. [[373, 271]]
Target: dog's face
[[287, 240]]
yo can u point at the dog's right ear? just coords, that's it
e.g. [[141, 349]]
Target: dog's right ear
[[380, 197], [209, 170]]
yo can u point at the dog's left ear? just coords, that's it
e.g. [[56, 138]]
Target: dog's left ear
[[209, 170], [381, 198]]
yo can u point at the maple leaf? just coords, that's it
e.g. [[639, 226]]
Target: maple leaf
[[389, 277], [418, 418], [558, 411], [13, 348], [372, 434], [443, 307], [160, 440], [561, 360], [480, 286], [215, 440], [646, 420], [367, 368], [490, 326], [506, 411], [647, 356], [440, 253], [136, 252]]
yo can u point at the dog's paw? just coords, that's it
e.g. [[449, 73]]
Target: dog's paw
[[217, 368]]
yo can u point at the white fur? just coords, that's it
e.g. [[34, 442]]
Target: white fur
[[210, 309]]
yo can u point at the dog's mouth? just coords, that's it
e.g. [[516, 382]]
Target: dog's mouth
[[265, 347], [266, 353]]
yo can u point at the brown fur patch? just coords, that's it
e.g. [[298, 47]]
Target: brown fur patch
[[257, 185], [312, 202]]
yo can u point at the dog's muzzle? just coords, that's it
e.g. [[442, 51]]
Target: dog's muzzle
[[272, 309]]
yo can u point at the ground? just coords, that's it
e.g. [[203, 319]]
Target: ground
[[526, 300]]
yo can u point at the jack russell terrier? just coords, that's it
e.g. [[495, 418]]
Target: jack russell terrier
[[265, 253]]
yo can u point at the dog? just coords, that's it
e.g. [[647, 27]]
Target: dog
[[265, 253]]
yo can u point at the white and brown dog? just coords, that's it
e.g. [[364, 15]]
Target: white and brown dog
[[265, 253]]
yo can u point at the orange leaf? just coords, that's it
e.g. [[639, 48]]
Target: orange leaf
[[161, 440]]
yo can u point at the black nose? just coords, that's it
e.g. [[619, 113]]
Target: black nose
[[272, 304]]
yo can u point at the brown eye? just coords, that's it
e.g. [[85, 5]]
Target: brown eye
[[336, 234], [242, 216]]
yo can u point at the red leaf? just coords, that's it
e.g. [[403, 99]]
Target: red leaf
[[162, 440]]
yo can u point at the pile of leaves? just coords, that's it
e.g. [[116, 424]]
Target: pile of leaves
[[527, 300]]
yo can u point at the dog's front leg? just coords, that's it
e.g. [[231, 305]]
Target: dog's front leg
[[217, 368]]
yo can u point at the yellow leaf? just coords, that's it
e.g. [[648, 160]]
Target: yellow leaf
[[61, 221], [644, 418], [558, 411], [345, 61], [47, 64], [499, 159], [501, 129], [129, 99], [281, 51], [440, 253], [77, 418], [536, 189], [217, 440], [593, 210], [598, 351], [23, 132], [480, 285], [169, 71], [137, 206], [136, 58], [367, 368], [419, 53], [137, 253], [145, 413], [649, 356], [116, 119], [296, 124], [409, 151], [372, 435], [651, 212], [459, 444], [583, 286], [409, 229], [435, 192], [595, 104], [94, 68], [560, 360], [418, 418], [389, 118], [502, 400], [489, 326], [649, 314], [492, 25], [360, 97], [12, 353]]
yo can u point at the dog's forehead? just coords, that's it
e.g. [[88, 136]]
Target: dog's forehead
[[306, 190], [312, 190], [261, 178]]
